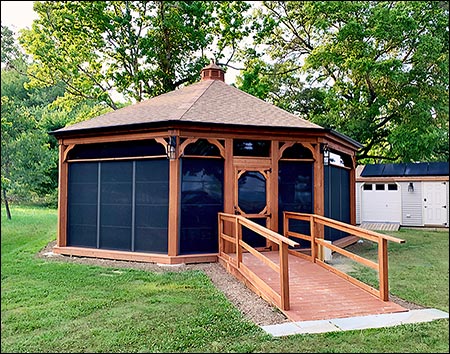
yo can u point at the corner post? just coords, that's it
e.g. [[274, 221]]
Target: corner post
[[174, 210], [62, 196]]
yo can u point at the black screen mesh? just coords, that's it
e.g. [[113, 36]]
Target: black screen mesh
[[119, 205], [295, 193], [201, 200], [337, 199], [82, 205], [117, 149]]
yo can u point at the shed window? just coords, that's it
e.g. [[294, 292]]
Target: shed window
[[379, 187], [392, 187], [260, 148], [367, 186]]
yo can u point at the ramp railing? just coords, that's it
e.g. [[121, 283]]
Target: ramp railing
[[230, 230], [317, 224]]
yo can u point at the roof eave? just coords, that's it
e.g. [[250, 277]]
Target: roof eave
[[168, 124]]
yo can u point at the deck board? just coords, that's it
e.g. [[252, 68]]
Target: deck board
[[318, 294]]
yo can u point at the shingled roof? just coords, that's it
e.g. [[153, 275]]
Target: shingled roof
[[208, 101]]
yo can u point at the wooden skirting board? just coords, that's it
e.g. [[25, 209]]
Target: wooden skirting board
[[135, 256]]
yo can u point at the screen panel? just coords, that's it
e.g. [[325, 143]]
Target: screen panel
[[295, 192], [201, 200], [82, 199], [116, 198], [337, 199], [152, 205], [133, 210]]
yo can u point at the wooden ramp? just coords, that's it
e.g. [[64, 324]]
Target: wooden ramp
[[315, 292]]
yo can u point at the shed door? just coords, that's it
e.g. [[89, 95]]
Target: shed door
[[435, 203], [381, 202]]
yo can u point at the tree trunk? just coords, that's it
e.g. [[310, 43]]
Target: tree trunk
[[8, 212]]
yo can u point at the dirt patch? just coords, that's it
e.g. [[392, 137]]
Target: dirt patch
[[251, 305]]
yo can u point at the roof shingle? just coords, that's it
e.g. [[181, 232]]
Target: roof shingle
[[208, 101]]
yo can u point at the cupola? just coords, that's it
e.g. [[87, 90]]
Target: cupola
[[212, 72]]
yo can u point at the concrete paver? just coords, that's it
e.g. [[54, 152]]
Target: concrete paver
[[355, 323]]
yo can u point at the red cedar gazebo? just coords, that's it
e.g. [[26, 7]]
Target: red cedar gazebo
[[146, 182]]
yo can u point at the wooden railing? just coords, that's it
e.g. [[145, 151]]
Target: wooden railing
[[235, 237], [317, 223]]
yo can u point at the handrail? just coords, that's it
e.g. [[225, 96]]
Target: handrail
[[380, 239], [282, 299], [342, 226], [271, 235]]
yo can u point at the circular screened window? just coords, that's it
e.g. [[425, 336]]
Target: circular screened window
[[252, 192]]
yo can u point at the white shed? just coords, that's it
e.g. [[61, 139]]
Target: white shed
[[408, 194]]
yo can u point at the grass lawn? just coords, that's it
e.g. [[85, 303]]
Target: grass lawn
[[47, 306]]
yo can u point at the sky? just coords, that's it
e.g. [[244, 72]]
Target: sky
[[19, 14]]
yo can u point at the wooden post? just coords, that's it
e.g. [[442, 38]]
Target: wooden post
[[312, 228], [284, 276], [228, 190], [273, 190], [353, 192], [238, 242], [220, 231], [174, 192], [62, 197], [285, 225], [319, 191], [383, 269]]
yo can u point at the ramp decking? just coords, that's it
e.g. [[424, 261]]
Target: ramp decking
[[318, 294]]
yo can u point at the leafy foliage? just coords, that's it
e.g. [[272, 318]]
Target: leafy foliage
[[29, 166], [374, 70], [139, 49]]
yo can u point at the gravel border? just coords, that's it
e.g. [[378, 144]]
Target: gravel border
[[252, 306]]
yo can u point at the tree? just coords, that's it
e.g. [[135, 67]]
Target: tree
[[29, 162], [139, 49], [374, 70]]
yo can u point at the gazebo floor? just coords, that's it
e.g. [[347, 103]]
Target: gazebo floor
[[318, 294]]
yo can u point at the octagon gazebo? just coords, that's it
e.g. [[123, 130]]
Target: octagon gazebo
[[147, 181]]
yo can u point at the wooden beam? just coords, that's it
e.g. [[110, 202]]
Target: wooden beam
[[228, 188], [114, 137], [273, 189], [136, 256], [174, 200], [319, 190], [62, 197]]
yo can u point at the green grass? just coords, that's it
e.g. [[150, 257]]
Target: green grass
[[50, 306], [418, 269]]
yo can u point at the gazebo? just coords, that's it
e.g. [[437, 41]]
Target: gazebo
[[147, 181]]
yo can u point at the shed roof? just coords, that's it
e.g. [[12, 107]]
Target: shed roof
[[406, 169], [208, 101]]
